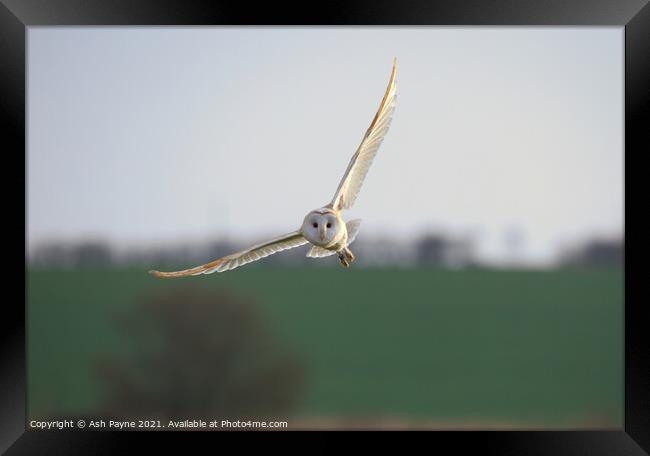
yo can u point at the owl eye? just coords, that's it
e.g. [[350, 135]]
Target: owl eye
[[315, 225], [329, 225]]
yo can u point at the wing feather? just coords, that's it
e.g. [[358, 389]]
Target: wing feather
[[257, 252], [353, 230], [319, 252], [346, 193]]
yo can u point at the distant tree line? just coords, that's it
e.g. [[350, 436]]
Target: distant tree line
[[602, 253], [429, 250], [83, 254]]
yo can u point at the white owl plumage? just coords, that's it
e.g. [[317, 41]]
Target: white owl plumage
[[323, 228]]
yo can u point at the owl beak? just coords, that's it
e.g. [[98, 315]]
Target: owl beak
[[321, 232]]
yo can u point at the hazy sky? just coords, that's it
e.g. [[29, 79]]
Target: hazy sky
[[145, 135]]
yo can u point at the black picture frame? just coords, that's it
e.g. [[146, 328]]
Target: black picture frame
[[17, 15]]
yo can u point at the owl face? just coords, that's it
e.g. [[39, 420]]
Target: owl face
[[321, 227]]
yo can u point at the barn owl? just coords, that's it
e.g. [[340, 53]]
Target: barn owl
[[323, 228]]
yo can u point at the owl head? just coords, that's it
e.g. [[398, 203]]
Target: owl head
[[321, 226]]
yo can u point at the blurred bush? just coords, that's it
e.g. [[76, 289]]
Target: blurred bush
[[195, 354]]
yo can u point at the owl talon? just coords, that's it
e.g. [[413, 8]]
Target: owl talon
[[346, 257]]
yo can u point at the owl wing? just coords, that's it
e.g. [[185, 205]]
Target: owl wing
[[353, 229], [257, 252], [319, 252], [351, 183]]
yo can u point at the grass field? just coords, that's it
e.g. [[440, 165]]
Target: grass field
[[524, 348]]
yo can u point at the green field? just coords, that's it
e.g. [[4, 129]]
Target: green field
[[524, 348]]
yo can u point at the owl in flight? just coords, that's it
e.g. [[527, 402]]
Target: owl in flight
[[323, 228]]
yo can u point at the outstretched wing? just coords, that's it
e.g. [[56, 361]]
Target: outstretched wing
[[288, 241], [351, 183]]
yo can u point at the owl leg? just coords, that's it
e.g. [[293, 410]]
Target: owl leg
[[345, 257]]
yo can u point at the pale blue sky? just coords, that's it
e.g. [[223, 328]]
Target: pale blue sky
[[150, 135]]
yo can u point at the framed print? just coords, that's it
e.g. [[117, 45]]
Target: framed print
[[202, 252]]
